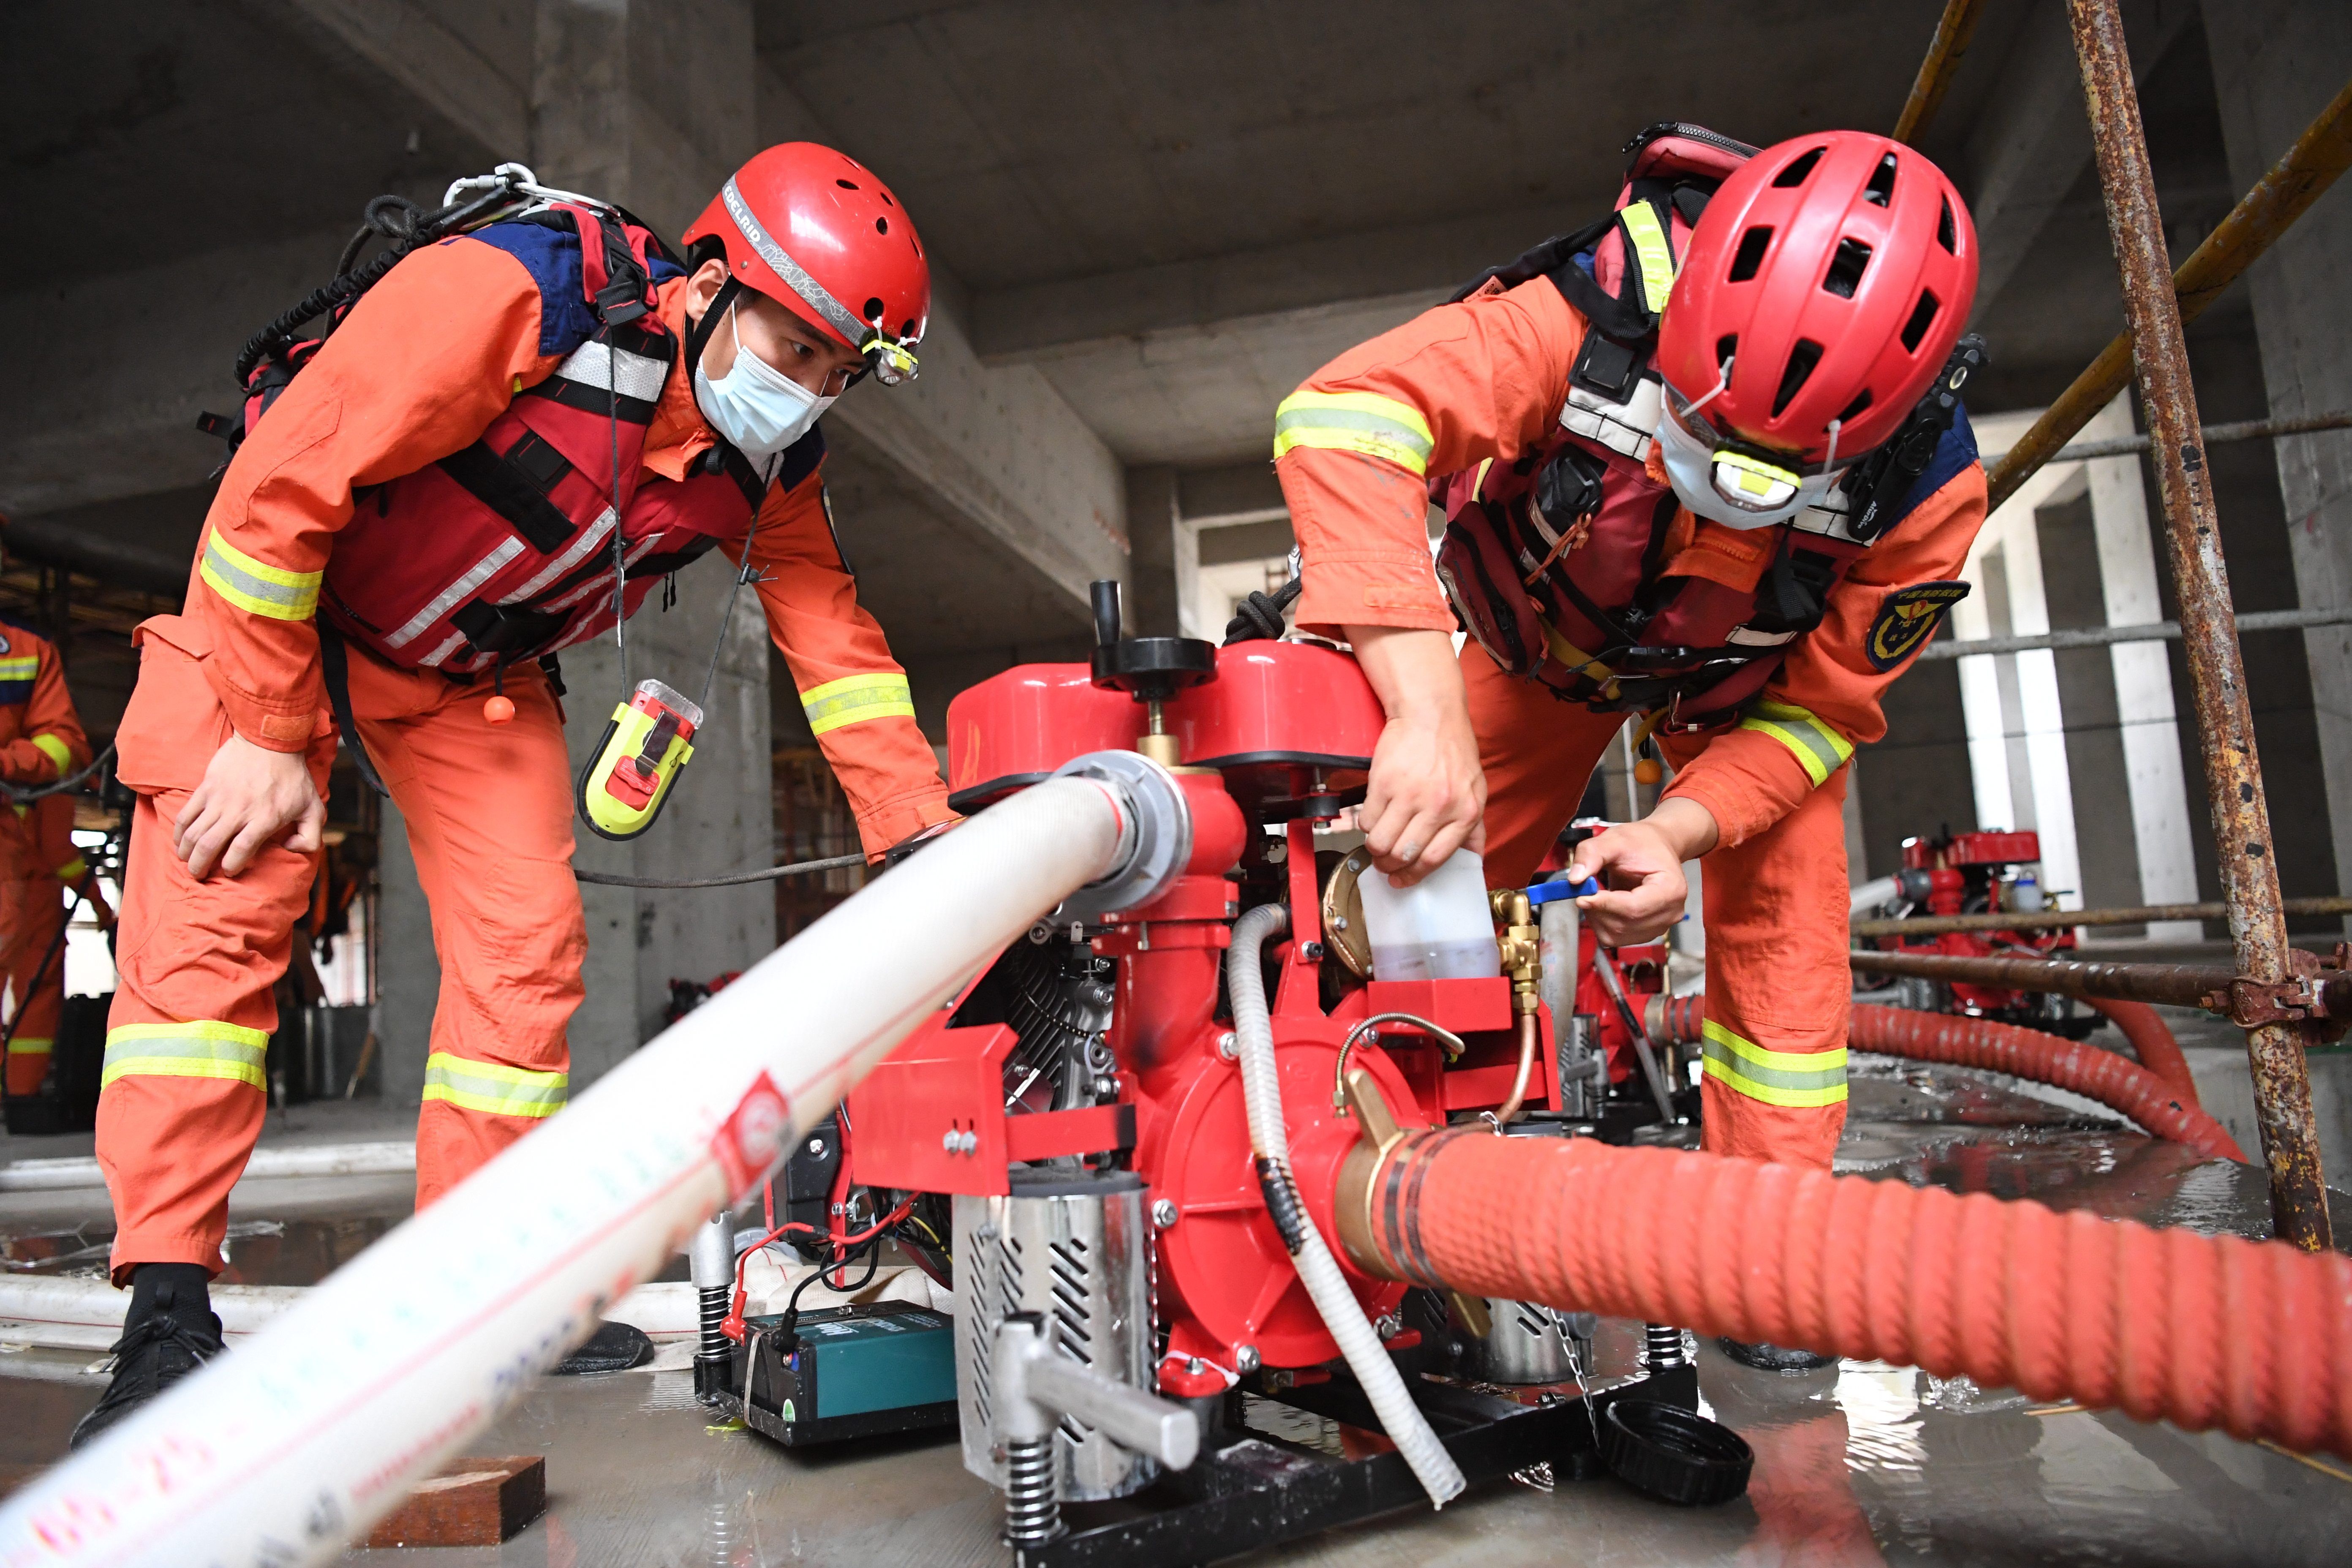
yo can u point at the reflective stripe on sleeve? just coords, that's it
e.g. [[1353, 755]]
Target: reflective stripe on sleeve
[[1651, 253], [54, 747], [1362, 422], [72, 870], [1819, 749], [24, 667], [256, 586], [1802, 1079], [855, 699], [492, 1089], [29, 1045], [203, 1049]]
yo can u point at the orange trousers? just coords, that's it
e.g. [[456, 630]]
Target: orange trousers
[[32, 914], [1777, 989], [488, 813]]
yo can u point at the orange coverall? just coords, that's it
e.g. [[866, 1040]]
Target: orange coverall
[[1485, 379], [418, 371], [41, 741]]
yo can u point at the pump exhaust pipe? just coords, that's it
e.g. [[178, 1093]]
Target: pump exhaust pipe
[[299, 1440]]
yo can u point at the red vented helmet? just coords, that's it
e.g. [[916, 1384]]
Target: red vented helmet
[[815, 230], [1833, 274]]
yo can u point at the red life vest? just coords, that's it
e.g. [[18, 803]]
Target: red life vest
[[1608, 619], [508, 550]]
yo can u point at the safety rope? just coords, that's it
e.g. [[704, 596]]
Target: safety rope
[[16, 796], [797, 868]]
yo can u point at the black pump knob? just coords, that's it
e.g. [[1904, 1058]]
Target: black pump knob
[[1105, 593], [1151, 669]]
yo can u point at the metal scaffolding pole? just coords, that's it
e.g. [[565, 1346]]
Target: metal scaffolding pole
[[1958, 26], [2063, 919], [2233, 773], [2323, 152]]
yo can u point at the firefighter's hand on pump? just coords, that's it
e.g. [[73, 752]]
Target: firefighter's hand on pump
[[249, 798], [1427, 795], [1640, 865]]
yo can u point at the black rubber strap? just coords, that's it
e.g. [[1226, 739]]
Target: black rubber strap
[[334, 663]]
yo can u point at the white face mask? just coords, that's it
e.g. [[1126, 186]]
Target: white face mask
[[756, 407], [1706, 479]]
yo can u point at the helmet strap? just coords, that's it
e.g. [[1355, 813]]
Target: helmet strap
[[699, 337]]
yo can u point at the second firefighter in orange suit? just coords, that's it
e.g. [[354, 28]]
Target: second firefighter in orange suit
[[434, 492], [41, 741], [1640, 435]]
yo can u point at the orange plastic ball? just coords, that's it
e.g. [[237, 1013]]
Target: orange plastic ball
[[1648, 771], [499, 710]]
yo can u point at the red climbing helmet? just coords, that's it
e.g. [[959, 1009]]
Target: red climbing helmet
[[1829, 277], [814, 229]]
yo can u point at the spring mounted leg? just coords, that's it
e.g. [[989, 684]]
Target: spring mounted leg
[[1662, 1346], [1033, 1514], [714, 1352]]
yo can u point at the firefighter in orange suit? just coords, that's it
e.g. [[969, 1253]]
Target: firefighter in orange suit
[[509, 441], [41, 741], [1704, 463]]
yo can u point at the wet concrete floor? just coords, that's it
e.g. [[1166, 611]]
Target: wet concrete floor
[[1860, 1465]]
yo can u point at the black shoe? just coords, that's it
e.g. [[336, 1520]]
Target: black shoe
[[614, 1347], [1774, 1358], [169, 1332]]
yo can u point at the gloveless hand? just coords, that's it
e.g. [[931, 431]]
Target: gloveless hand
[[1427, 794], [1640, 866], [249, 799]]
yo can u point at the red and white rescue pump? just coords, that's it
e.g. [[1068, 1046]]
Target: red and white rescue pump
[[1088, 1101]]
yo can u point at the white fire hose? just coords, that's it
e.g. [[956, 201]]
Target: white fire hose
[[301, 1438], [1407, 1427]]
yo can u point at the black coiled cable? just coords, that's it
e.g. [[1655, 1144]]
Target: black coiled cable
[[1259, 617]]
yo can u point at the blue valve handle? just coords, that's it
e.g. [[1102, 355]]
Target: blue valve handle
[[1549, 892]]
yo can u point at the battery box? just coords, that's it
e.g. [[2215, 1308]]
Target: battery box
[[852, 1372]]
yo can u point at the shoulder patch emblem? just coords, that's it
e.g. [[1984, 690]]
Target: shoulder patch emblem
[[1909, 618]]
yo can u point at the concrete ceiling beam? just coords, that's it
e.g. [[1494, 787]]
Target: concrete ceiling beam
[[1077, 316], [997, 451], [404, 40], [2032, 145], [81, 431]]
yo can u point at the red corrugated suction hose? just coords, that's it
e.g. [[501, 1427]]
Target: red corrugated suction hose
[[2129, 1091], [2254, 1338], [2151, 1041]]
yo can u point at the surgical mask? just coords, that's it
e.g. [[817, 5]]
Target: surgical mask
[[760, 410], [1708, 480]]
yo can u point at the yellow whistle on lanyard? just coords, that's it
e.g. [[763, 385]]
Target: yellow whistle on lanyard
[[644, 748]]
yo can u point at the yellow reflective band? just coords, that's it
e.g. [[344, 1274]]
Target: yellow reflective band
[[200, 1050], [1819, 749], [23, 667], [1801, 1078], [54, 748], [855, 699], [73, 870], [1768, 482], [1355, 422], [493, 1090], [26, 1045], [257, 586], [1651, 253]]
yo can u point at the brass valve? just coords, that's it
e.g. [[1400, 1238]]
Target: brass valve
[[1522, 943]]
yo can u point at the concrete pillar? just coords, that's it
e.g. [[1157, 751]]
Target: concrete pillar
[[2145, 718], [1152, 526], [2275, 64], [651, 107]]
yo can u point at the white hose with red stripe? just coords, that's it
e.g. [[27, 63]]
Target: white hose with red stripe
[[301, 1438]]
